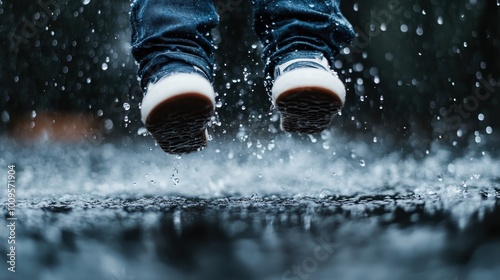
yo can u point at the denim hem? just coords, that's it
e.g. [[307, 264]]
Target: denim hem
[[167, 63], [175, 34]]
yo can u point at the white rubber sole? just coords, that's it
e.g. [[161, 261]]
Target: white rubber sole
[[308, 78], [172, 86]]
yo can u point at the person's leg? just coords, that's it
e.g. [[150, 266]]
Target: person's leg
[[171, 41], [301, 38], [167, 34], [285, 26]]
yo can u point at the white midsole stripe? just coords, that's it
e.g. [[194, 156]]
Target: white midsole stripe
[[175, 85], [308, 77]]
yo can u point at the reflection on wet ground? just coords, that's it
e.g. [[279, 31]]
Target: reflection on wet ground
[[255, 238]]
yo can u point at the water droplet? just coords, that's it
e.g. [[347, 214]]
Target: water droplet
[[271, 146], [362, 163], [5, 117], [420, 31], [439, 178], [451, 168], [176, 181], [108, 124], [175, 171], [142, 131], [104, 66], [126, 106]]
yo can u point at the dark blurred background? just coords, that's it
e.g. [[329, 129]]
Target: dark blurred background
[[416, 72]]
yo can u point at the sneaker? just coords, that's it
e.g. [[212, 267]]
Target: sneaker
[[307, 93], [176, 111]]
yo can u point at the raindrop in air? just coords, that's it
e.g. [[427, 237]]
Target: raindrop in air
[[175, 171], [142, 131], [5, 117]]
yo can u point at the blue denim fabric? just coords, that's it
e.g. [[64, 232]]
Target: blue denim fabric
[[174, 35]]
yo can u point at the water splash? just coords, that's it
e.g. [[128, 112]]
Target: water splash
[[175, 171]]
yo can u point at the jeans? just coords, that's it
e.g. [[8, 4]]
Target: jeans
[[171, 35]]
